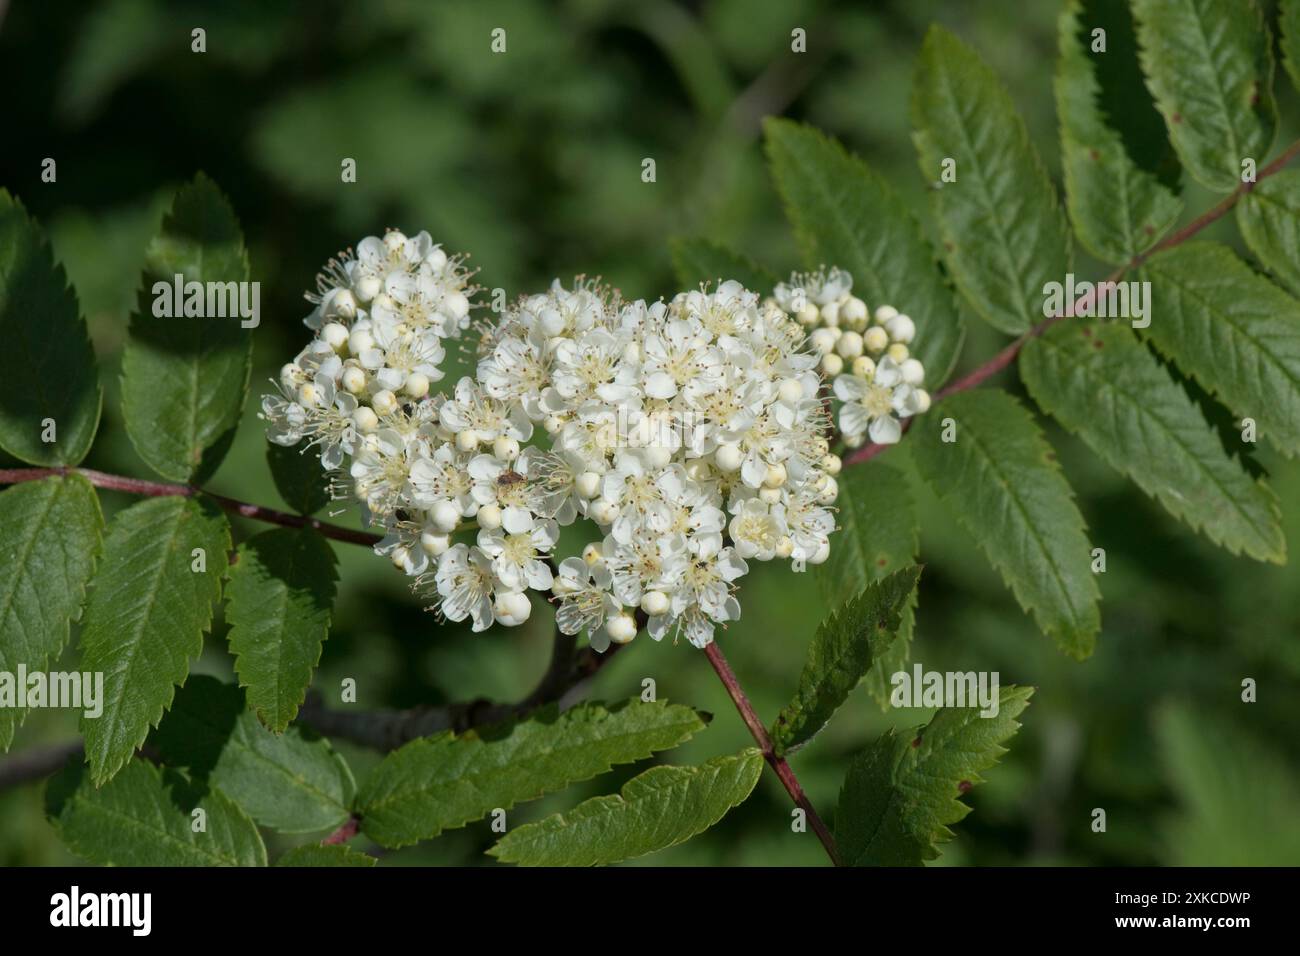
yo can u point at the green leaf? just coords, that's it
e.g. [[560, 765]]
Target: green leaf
[[439, 783], [51, 536], [902, 793], [299, 477], [1209, 65], [1288, 19], [1269, 219], [1001, 479], [703, 260], [335, 855], [878, 535], [146, 617], [840, 654], [660, 808], [184, 378], [1233, 331], [48, 367], [279, 598], [1118, 208], [144, 817], [1101, 383], [284, 781], [1002, 229], [845, 214]]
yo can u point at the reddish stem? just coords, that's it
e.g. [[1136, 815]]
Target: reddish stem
[[777, 763]]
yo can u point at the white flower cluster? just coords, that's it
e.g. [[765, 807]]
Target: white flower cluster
[[691, 433], [866, 354]]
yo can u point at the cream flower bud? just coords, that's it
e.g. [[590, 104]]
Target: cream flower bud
[[505, 448], [810, 314], [829, 492], [823, 340], [922, 401], [864, 366], [343, 304], [790, 390], [853, 441], [831, 314], [832, 364], [822, 553], [353, 380], [729, 457], [654, 602], [467, 440], [434, 544], [436, 259], [785, 547], [360, 341], [771, 496], [913, 372], [417, 385], [854, 310], [587, 484], [456, 305], [553, 424], [365, 419], [446, 516], [603, 511], [901, 329], [850, 345], [368, 288], [831, 464], [489, 517], [334, 334], [875, 339], [621, 628], [885, 313], [775, 476], [512, 608], [898, 352], [384, 402]]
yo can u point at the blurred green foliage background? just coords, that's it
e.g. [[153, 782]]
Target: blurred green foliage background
[[532, 161]]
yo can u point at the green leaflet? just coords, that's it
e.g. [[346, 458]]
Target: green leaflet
[[47, 369], [1118, 208], [846, 215], [1100, 382], [144, 817], [280, 594], [1003, 232], [660, 808], [146, 617], [299, 477], [1236, 793], [1288, 19], [288, 782], [1269, 219], [438, 783], [878, 535], [1001, 479], [840, 654], [51, 539], [703, 260], [1209, 65], [184, 379], [334, 855], [903, 792], [1233, 331]]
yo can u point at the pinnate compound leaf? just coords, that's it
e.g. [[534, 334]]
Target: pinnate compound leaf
[[1269, 219], [439, 783], [144, 817], [703, 260], [1233, 331], [184, 378], [299, 478], [1003, 231], [334, 855], [146, 617], [846, 215], [1001, 479], [288, 781], [1101, 383], [1118, 208], [657, 809], [1209, 65], [840, 655], [903, 792], [47, 368], [279, 595], [49, 539]]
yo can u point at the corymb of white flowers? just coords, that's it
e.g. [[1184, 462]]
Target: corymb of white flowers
[[693, 434]]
